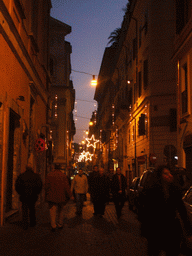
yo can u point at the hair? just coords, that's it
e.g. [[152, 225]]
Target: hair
[[29, 168], [57, 166]]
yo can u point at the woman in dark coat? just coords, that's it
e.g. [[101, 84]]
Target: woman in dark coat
[[100, 192], [162, 201]]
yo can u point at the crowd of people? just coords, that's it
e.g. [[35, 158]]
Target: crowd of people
[[162, 213]]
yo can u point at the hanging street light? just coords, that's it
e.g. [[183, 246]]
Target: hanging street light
[[93, 81]]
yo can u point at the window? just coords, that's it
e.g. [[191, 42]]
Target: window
[[140, 82], [146, 22], [51, 67], [145, 74], [135, 92], [140, 36], [183, 13], [184, 86], [130, 97], [134, 48], [142, 125], [34, 18]]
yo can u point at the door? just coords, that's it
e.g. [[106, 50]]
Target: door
[[13, 124]]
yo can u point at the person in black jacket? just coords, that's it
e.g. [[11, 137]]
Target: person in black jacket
[[161, 205], [28, 185], [91, 178], [100, 192], [118, 187]]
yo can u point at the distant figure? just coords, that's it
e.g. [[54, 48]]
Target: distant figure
[[100, 192], [161, 205], [91, 177], [57, 190], [118, 187], [28, 185], [80, 186]]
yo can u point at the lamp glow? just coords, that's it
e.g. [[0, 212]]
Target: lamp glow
[[94, 81]]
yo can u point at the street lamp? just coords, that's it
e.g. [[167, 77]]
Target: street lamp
[[93, 81]]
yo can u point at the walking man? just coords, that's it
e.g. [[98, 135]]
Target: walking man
[[56, 191], [119, 186], [80, 186], [28, 185]]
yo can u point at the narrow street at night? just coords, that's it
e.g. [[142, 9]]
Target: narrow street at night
[[86, 235]]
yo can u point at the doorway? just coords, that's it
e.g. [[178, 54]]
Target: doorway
[[14, 123]]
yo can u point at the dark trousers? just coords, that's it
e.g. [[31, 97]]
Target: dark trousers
[[119, 202], [28, 214], [99, 207]]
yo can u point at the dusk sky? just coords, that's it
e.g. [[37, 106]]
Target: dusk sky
[[92, 22]]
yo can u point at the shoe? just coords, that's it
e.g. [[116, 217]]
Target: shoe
[[60, 227], [53, 229]]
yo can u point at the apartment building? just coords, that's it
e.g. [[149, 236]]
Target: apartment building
[[62, 95], [137, 103], [24, 51], [182, 59]]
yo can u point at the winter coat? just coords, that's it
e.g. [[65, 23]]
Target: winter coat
[[91, 177], [57, 189], [115, 186], [100, 188], [28, 185], [80, 184], [158, 215]]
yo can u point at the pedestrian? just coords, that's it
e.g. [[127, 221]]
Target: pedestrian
[[28, 185], [118, 187], [80, 186], [91, 177], [100, 192], [57, 190], [161, 204], [110, 175]]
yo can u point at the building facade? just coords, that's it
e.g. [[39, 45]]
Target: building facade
[[137, 101], [62, 94], [182, 59], [24, 98]]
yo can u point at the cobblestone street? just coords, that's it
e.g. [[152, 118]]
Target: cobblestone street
[[86, 235]]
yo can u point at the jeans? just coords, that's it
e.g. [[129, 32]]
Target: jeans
[[79, 202]]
